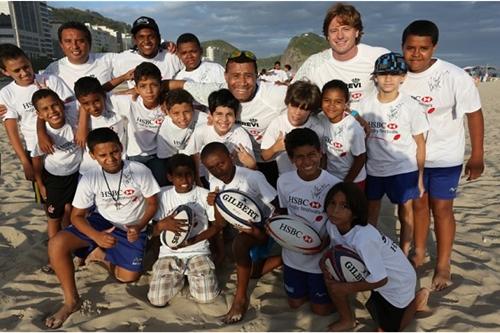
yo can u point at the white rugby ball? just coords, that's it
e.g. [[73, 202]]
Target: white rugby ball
[[345, 265], [238, 209], [172, 239], [294, 233]]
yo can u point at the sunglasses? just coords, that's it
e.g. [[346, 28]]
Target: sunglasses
[[236, 54]]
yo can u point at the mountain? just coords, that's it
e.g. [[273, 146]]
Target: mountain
[[60, 15], [301, 47]]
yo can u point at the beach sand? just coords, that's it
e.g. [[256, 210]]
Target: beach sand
[[28, 295]]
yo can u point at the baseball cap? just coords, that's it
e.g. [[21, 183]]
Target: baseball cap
[[145, 22], [390, 63]]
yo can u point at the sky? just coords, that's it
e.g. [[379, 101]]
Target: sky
[[469, 31]]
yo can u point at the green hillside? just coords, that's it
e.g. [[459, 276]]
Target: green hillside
[[60, 15]]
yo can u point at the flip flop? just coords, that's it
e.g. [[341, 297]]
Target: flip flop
[[47, 269]]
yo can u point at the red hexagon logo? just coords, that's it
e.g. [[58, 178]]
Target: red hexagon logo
[[158, 121], [314, 204], [356, 95], [392, 126], [426, 99], [307, 239], [129, 191], [337, 145]]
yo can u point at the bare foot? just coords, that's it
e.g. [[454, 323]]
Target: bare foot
[[418, 258], [421, 298], [237, 311], [441, 278], [342, 326], [57, 319]]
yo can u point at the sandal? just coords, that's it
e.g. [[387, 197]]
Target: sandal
[[47, 269]]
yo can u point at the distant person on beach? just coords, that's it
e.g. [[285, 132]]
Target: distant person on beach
[[277, 74], [112, 206], [347, 59], [147, 39], [449, 95], [261, 102], [289, 73], [15, 100]]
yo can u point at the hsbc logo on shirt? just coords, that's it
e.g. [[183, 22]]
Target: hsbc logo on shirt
[[304, 202], [356, 96], [382, 125], [158, 121], [128, 191], [337, 144], [392, 126], [426, 99]]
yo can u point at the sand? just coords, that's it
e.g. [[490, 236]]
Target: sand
[[28, 295]]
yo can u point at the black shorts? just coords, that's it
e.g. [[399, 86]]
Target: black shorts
[[60, 191], [387, 316]]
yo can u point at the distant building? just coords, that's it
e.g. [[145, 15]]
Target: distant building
[[216, 54], [104, 39], [27, 25]]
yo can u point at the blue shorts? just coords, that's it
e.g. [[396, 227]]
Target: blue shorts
[[442, 183], [299, 284], [399, 188], [261, 252], [124, 254]]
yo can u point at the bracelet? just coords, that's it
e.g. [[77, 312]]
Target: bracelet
[[354, 113]]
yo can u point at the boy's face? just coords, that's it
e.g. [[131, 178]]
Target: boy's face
[[389, 83], [333, 104], [181, 114], [20, 70], [108, 155], [418, 51], [182, 178], [297, 116], [241, 80], [93, 104], [307, 160], [75, 46], [220, 166], [51, 110], [147, 42], [338, 212], [148, 89], [223, 118], [190, 55], [342, 39]]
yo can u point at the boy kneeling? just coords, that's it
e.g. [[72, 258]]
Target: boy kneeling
[[112, 206]]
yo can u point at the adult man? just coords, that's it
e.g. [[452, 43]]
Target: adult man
[[347, 59], [449, 94], [146, 37], [260, 103], [75, 41]]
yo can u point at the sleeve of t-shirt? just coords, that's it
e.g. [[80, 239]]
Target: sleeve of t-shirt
[[121, 105], [71, 114], [11, 113], [270, 135], [304, 72], [195, 141], [358, 146], [370, 249], [149, 186], [84, 195], [160, 212], [246, 141], [267, 192], [209, 210], [419, 123], [201, 91], [281, 194], [164, 149], [467, 95]]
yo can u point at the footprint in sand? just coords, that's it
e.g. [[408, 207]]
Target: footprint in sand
[[10, 237]]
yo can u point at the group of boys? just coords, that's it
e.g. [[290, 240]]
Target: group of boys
[[118, 166]]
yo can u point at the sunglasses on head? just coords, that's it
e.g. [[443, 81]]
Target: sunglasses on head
[[242, 54]]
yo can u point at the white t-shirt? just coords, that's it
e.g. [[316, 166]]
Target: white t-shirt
[[143, 124], [281, 124], [206, 134], [99, 65], [356, 72], [137, 183], [448, 93], [255, 115], [173, 139], [110, 120], [168, 63], [390, 147], [383, 258], [305, 199], [206, 72], [17, 100], [276, 75], [246, 180], [67, 155], [343, 141], [196, 199]]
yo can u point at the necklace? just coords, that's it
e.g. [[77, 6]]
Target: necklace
[[117, 203]]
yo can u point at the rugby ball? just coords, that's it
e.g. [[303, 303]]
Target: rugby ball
[[293, 233], [238, 209], [345, 265], [172, 239]]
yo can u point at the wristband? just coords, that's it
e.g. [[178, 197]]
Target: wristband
[[354, 113]]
